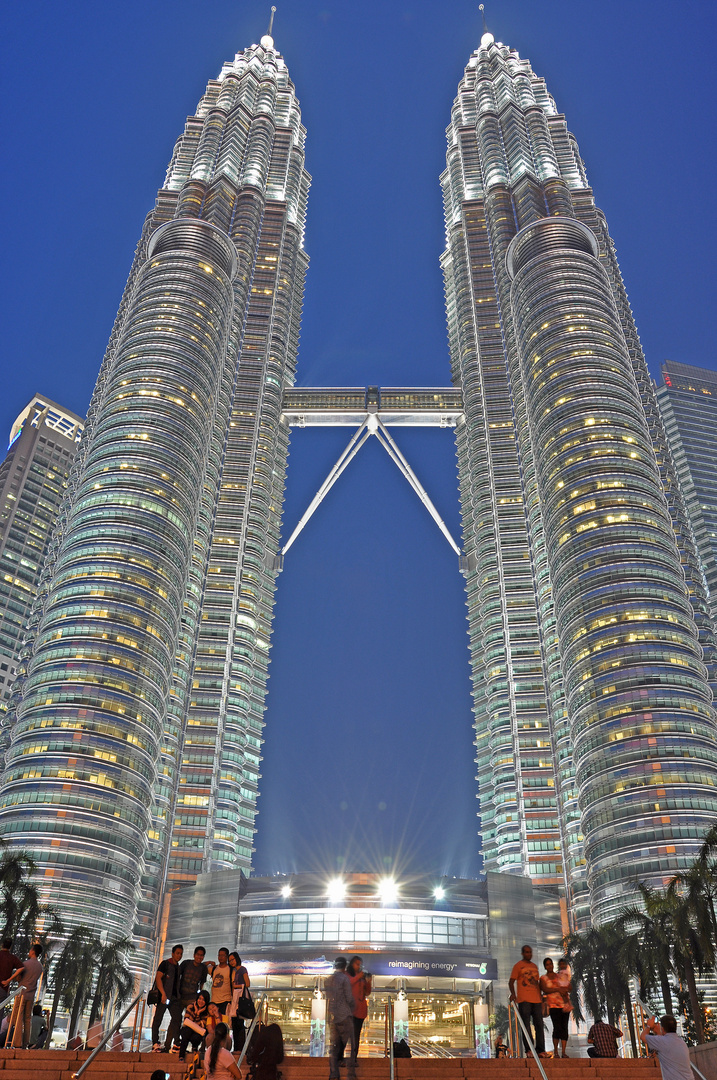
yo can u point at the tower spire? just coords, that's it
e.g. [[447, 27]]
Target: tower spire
[[267, 41], [487, 38]]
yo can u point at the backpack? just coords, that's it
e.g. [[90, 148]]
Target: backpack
[[265, 1052]]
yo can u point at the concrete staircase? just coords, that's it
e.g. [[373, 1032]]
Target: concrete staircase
[[62, 1064]]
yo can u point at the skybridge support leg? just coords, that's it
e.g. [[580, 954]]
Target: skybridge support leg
[[397, 457], [348, 455]]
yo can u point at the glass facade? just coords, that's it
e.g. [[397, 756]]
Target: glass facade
[[588, 617], [380, 927], [137, 715]]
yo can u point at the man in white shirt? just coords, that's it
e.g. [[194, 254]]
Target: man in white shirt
[[671, 1049]]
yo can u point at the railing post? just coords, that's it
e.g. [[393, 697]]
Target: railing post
[[135, 1031], [16, 1001], [392, 1067]]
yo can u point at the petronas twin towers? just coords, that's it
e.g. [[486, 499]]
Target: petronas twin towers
[[134, 737]]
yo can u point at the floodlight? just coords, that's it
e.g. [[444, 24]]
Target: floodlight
[[388, 891], [336, 890]]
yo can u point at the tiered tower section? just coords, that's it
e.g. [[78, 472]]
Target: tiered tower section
[[595, 732], [136, 740]]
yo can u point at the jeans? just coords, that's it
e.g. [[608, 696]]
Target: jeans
[[175, 1008], [533, 1010], [342, 1034], [238, 1034], [188, 1036], [358, 1024]]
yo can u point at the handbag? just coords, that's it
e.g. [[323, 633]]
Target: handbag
[[242, 1004], [153, 996]]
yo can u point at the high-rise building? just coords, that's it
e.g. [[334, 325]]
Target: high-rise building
[[33, 480], [688, 403], [595, 731], [139, 708]]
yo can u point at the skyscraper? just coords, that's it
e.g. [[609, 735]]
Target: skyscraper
[[594, 725], [688, 402], [139, 710], [33, 479]]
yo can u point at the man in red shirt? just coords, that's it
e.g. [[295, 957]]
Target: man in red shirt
[[524, 986], [8, 963]]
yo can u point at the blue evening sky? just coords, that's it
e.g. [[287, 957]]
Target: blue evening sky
[[368, 757]]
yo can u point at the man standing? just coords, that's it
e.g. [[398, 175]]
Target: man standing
[[167, 982], [671, 1049], [524, 986], [192, 976], [222, 983], [28, 976], [340, 1009], [604, 1040]]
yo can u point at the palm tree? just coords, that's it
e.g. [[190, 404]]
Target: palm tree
[[601, 961], [72, 973], [115, 981], [693, 945], [20, 906], [653, 923]]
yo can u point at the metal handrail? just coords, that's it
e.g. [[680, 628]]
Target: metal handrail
[[106, 1038], [258, 1006], [700, 1074], [11, 1031], [528, 1039], [391, 1038]]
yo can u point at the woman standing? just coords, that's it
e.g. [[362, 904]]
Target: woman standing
[[361, 988], [553, 1002], [240, 986]]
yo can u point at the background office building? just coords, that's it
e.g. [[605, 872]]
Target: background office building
[[688, 403], [33, 480]]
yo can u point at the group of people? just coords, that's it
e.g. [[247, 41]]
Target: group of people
[[197, 1016], [539, 995], [347, 991]]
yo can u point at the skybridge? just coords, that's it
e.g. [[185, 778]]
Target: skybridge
[[372, 410]]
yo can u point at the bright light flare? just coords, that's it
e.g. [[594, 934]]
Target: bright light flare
[[336, 890], [388, 891], [439, 893], [286, 891]]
